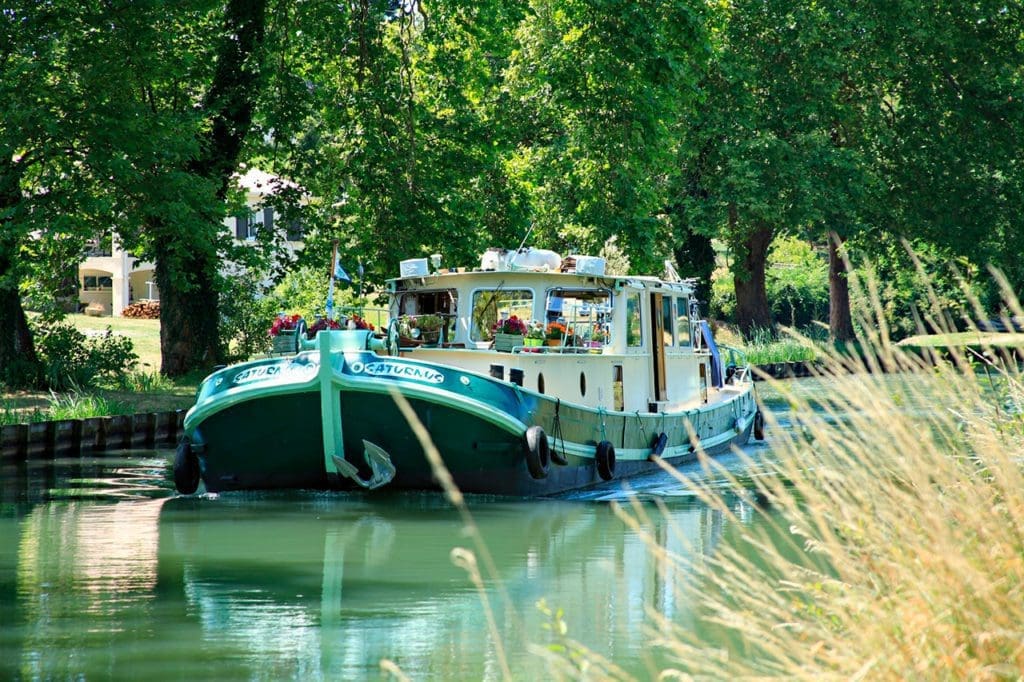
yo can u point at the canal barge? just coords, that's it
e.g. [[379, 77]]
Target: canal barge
[[532, 374]]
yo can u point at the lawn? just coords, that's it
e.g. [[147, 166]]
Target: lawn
[[153, 393], [145, 334]]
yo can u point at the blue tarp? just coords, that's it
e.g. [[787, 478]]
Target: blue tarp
[[717, 369]]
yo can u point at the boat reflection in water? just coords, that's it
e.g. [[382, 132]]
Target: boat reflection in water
[[329, 590], [325, 586]]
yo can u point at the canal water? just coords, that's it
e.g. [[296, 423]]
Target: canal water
[[105, 573]]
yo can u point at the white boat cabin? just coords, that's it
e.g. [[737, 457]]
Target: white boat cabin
[[624, 343]]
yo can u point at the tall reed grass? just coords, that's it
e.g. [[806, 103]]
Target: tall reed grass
[[893, 538], [902, 507]]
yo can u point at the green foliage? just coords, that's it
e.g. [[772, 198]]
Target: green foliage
[[9, 414], [246, 314], [598, 87], [765, 348], [144, 382], [304, 292], [73, 360], [797, 283], [248, 308], [935, 293]]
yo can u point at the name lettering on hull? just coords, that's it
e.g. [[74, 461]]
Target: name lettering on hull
[[397, 371], [267, 372]]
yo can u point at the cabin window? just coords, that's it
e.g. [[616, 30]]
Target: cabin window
[[586, 314], [433, 310], [683, 321], [634, 321], [667, 320], [492, 305]]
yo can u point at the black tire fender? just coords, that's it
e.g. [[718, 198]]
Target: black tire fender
[[186, 468], [759, 425], [538, 452], [605, 457]]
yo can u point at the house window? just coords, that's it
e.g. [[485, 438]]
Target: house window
[[97, 283], [246, 226]]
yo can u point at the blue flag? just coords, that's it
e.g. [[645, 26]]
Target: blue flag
[[339, 272]]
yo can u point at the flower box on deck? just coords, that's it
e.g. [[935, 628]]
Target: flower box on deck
[[286, 341], [506, 342]]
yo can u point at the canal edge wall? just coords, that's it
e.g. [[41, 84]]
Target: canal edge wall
[[77, 437]]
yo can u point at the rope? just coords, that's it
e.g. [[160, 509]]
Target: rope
[[643, 431], [556, 429]]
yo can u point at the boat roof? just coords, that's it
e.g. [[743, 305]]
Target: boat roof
[[452, 278], [530, 267]]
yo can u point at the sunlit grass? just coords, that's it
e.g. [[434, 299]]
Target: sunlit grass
[[60, 406], [84, 406]]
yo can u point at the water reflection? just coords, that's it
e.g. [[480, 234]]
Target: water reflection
[[107, 576]]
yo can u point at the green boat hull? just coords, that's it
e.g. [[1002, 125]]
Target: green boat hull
[[298, 422]]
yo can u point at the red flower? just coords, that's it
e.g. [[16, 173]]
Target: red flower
[[360, 323], [284, 323], [320, 325], [512, 325]]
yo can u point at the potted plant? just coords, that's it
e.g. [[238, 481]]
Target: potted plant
[[554, 334], [534, 334], [320, 324], [285, 332], [416, 329], [508, 334]]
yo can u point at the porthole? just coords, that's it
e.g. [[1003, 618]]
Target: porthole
[[540, 382], [583, 384]]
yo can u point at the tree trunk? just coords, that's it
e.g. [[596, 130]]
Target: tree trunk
[[189, 310], [19, 365], [188, 276], [840, 321], [752, 309]]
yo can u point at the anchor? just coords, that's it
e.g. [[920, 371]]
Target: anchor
[[380, 464]]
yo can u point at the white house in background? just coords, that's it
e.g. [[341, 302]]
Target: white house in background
[[112, 279]]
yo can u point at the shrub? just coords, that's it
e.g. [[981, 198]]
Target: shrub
[[246, 313], [71, 359]]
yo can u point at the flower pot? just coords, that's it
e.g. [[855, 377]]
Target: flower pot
[[286, 341], [552, 342], [430, 337], [533, 342], [505, 342]]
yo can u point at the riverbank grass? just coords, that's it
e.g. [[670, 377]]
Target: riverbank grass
[[895, 547]]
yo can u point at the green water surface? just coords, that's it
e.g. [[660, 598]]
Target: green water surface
[[106, 574]]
